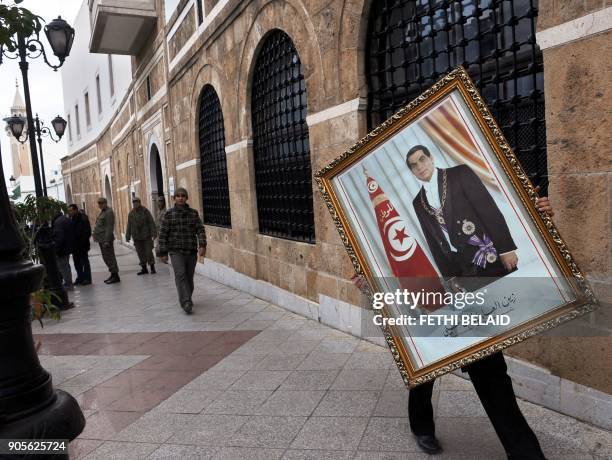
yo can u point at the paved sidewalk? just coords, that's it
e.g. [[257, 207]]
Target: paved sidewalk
[[243, 379]]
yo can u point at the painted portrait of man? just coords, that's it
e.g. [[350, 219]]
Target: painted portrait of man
[[465, 230]]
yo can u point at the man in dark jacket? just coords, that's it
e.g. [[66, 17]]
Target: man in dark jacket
[[182, 236], [141, 228], [82, 233], [63, 237]]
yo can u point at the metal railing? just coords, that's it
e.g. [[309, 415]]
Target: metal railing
[[411, 44]]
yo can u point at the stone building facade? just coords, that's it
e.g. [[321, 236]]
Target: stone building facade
[[152, 145]]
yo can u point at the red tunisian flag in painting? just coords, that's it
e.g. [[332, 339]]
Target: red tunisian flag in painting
[[406, 258]]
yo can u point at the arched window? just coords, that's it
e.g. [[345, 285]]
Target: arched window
[[412, 43], [213, 163], [280, 142]]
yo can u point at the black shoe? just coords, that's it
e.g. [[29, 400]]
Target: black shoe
[[113, 279], [153, 270], [143, 271], [85, 283], [109, 278], [428, 444], [68, 306], [187, 306]]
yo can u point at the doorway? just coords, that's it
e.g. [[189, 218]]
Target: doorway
[[108, 194], [156, 178]]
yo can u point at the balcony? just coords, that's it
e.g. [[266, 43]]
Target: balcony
[[120, 26]]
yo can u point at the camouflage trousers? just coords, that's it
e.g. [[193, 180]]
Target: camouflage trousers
[[144, 249], [108, 255]]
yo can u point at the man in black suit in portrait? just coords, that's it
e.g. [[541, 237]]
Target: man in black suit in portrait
[[468, 237], [466, 232]]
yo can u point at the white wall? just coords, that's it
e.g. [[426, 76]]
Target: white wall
[[169, 7], [56, 189], [79, 76]]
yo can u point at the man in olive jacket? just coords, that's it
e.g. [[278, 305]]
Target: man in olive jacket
[[103, 235], [142, 229]]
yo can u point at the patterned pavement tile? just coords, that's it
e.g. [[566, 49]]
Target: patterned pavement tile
[[244, 379]]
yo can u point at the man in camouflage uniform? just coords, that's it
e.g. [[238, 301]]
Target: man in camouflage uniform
[[182, 236], [104, 235], [141, 228]]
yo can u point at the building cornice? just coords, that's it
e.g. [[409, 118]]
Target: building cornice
[[583, 27]]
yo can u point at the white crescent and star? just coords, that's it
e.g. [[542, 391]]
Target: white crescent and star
[[401, 243]]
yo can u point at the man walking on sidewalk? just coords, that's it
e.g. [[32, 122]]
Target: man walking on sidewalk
[[182, 236], [103, 234], [141, 228], [82, 233]]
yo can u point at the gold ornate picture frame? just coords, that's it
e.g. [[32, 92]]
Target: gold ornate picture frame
[[435, 201]]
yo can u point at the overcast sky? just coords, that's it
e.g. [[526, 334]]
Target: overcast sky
[[45, 84]]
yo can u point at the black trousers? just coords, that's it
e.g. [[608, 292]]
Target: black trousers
[[81, 264], [494, 388], [144, 249]]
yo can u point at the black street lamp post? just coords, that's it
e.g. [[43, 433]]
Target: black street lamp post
[[16, 124], [23, 65], [30, 408], [40, 152], [60, 36]]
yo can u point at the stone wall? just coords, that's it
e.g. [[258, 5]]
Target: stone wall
[[304, 269], [555, 12], [330, 38], [182, 34], [83, 174], [578, 117]]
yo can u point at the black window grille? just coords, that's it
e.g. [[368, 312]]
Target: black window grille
[[411, 44], [213, 164], [148, 88], [200, 11], [280, 142]]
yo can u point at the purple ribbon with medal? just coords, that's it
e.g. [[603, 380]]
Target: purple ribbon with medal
[[486, 252]]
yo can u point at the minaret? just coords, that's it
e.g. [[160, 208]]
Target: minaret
[[22, 161]]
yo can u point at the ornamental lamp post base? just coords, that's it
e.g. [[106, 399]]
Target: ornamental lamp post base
[[29, 406]]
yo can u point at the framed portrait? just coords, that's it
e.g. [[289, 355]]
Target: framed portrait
[[438, 216]]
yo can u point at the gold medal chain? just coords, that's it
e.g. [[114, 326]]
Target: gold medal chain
[[437, 212]]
